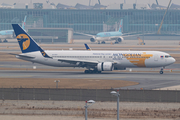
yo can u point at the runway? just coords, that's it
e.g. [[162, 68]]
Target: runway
[[146, 77]]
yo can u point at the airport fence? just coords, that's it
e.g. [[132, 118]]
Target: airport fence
[[87, 94]]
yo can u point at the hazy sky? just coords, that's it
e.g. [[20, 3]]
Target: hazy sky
[[86, 2]]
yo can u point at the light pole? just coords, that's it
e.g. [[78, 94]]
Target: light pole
[[143, 25], [117, 95], [143, 22], [56, 81], [86, 106]]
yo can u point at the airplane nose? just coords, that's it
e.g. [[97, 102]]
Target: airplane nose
[[173, 60]]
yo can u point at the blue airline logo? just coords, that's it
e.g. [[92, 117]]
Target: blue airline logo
[[24, 41], [43, 53]]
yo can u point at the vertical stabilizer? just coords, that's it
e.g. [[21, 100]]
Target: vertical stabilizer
[[87, 47], [24, 22], [120, 26], [26, 42]]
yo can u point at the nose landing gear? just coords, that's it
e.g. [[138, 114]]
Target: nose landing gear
[[161, 71]]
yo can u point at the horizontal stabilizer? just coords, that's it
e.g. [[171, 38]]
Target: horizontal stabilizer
[[24, 56]]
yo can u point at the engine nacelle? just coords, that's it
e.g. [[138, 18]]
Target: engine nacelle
[[120, 39], [92, 40], [105, 66]]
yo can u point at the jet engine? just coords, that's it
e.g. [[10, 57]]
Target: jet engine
[[120, 39], [92, 40], [105, 66]]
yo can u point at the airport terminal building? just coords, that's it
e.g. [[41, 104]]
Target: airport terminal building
[[93, 21]]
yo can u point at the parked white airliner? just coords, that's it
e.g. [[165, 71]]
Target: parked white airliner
[[94, 61]]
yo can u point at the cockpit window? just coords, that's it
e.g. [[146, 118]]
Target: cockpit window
[[167, 56]]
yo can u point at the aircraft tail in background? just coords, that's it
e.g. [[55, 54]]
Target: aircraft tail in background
[[120, 26], [87, 47], [24, 22]]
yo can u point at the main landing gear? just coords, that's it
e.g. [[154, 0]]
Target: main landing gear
[[161, 71], [103, 42], [92, 71], [116, 42]]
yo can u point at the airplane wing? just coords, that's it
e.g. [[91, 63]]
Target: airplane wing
[[85, 34], [79, 62], [82, 63], [129, 35], [135, 34]]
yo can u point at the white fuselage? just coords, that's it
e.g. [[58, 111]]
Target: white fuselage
[[126, 59], [108, 36], [6, 34]]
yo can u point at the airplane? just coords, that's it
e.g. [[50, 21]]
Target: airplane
[[94, 61], [87, 47], [107, 36], [9, 34]]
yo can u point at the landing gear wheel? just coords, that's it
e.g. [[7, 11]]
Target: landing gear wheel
[[116, 42], [5, 41], [91, 71], [95, 71], [161, 72], [86, 71], [103, 42]]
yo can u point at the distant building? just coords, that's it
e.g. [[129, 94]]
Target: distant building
[[80, 6], [93, 20], [34, 6], [62, 6], [6, 6], [98, 6], [128, 6], [174, 6], [155, 6]]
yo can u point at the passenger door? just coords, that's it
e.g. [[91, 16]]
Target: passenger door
[[156, 57]]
